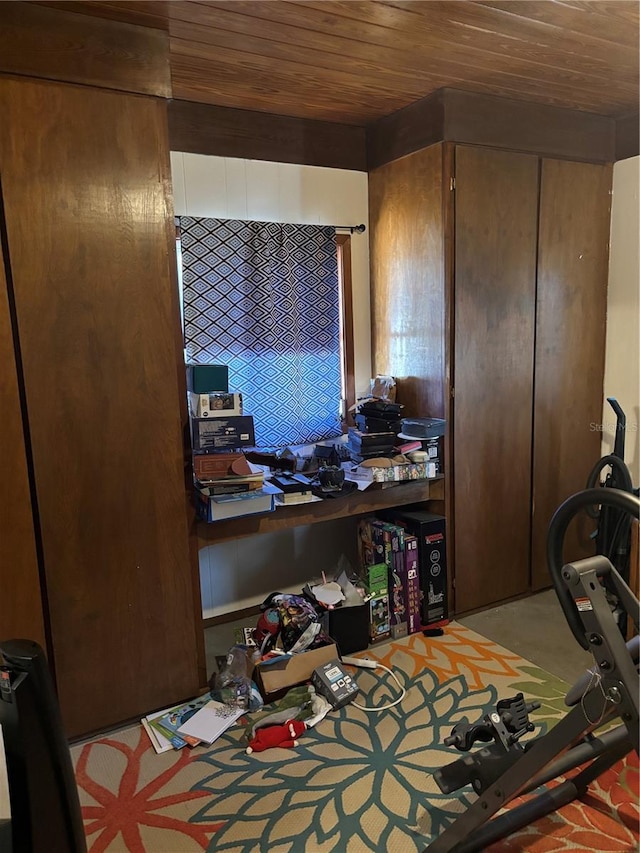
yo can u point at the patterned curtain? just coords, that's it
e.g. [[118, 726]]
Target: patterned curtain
[[263, 298]]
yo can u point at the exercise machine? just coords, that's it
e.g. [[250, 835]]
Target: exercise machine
[[511, 767], [45, 814], [613, 531]]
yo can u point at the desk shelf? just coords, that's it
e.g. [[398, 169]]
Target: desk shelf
[[286, 517]]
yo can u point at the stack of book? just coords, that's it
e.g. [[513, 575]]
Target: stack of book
[[200, 721], [367, 445], [294, 488], [226, 473], [379, 416], [220, 507]]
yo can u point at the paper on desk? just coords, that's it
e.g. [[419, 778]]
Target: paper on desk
[[212, 720]]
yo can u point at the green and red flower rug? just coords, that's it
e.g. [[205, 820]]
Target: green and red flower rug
[[357, 782]]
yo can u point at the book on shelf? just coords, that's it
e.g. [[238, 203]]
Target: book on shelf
[[294, 498], [210, 721], [221, 507], [291, 483], [230, 485]]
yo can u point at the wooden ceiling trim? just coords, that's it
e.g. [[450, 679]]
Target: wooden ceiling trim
[[204, 129], [150, 13], [83, 49], [628, 137], [411, 129], [535, 128], [470, 118]]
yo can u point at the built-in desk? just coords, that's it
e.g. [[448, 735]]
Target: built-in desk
[[359, 503]]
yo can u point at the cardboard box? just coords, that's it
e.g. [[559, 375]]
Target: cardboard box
[[281, 673], [212, 434]]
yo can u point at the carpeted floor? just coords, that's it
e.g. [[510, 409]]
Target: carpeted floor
[[358, 782]]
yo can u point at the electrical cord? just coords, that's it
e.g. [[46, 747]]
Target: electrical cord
[[368, 665]]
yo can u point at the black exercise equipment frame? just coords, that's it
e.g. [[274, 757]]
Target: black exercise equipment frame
[[608, 691]]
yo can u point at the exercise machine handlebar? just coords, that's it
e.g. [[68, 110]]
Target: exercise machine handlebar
[[624, 501]]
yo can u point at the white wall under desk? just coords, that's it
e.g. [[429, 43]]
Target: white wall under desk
[[241, 573]]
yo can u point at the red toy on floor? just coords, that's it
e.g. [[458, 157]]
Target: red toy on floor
[[279, 735]]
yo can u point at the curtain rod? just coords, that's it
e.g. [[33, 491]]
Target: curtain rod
[[359, 229]]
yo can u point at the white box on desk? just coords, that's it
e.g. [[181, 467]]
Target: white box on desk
[[215, 404]]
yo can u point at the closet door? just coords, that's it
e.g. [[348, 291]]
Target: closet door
[[21, 615], [85, 177], [496, 203], [575, 207]]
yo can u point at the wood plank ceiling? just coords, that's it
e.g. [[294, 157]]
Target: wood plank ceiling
[[354, 62]]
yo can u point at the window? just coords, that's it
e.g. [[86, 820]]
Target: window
[[268, 300]]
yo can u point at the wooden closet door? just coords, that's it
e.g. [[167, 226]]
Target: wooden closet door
[[573, 258], [496, 198], [21, 615], [85, 177]]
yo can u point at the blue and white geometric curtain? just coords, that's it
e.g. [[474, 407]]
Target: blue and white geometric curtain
[[263, 298]]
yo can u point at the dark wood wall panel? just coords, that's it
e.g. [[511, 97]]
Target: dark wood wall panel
[[204, 129], [21, 614], [628, 137], [520, 126], [476, 119], [407, 279], [85, 179], [415, 127], [38, 41], [570, 344], [495, 272]]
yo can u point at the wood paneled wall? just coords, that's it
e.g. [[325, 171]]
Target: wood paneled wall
[[573, 257], [21, 612], [56, 45], [86, 214], [226, 132], [495, 308], [475, 119], [407, 250]]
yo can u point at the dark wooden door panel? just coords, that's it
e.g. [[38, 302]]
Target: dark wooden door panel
[[85, 177], [570, 343], [407, 279], [20, 600], [495, 268]]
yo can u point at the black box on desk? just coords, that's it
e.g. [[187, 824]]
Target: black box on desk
[[348, 627], [212, 434], [430, 531], [203, 378]]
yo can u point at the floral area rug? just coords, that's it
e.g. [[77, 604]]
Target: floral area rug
[[357, 782]]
